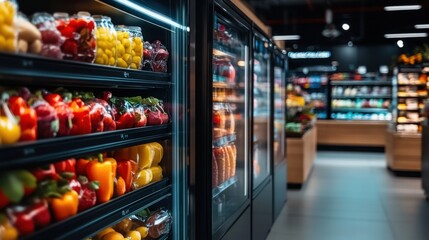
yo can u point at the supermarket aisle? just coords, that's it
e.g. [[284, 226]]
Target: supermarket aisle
[[351, 196]]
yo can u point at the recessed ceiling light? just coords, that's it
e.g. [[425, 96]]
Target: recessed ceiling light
[[286, 37], [350, 44], [400, 43], [402, 8], [346, 26], [421, 26], [405, 35]]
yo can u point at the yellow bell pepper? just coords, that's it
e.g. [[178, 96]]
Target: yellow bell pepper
[[65, 206]]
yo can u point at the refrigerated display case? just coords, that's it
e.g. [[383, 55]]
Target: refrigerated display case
[[222, 185], [84, 103], [262, 201], [279, 138]]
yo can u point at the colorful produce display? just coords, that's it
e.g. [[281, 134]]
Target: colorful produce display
[[155, 56], [143, 225], [79, 37], [78, 32], [7, 32], [31, 199], [106, 36], [123, 46], [26, 116]]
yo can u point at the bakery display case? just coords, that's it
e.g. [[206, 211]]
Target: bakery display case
[[92, 94], [411, 91]]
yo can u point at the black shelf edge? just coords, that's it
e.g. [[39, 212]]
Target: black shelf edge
[[364, 110], [222, 141], [360, 83], [362, 96], [94, 219], [50, 150], [32, 69], [415, 123], [228, 51]]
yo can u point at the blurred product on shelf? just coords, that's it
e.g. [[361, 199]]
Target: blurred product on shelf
[[412, 78], [61, 113], [361, 116], [63, 189], [142, 225], [300, 116], [82, 37]]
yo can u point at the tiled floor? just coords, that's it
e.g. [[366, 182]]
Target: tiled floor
[[352, 196]]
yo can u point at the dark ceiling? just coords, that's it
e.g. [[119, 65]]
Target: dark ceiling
[[367, 19]]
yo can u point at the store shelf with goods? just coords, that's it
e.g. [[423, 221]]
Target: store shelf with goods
[[363, 110], [361, 82], [90, 221], [98, 78], [222, 187], [362, 97], [36, 70], [220, 49], [50, 150], [222, 141]]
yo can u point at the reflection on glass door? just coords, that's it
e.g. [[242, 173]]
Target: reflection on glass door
[[279, 110], [229, 161], [261, 112]]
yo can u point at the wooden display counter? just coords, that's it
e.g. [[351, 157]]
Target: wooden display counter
[[403, 151], [301, 153], [354, 133]]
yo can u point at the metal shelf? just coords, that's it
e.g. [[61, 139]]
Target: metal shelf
[[54, 149], [94, 219], [363, 110], [361, 83], [362, 96], [222, 141], [219, 49], [222, 187], [19, 69], [413, 96], [411, 84]]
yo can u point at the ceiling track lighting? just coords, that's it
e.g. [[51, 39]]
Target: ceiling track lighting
[[405, 35]]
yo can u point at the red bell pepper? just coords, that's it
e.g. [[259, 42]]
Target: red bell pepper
[[39, 211], [87, 196], [27, 118], [81, 119], [65, 114], [81, 165], [67, 166], [124, 170], [44, 172], [21, 220], [97, 113]]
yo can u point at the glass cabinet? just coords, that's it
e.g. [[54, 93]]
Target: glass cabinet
[[229, 135]]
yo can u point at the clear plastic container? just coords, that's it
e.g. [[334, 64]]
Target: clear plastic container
[[106, 37], [8, 34], [79, 34], [52, 39], [123, 47], [136, 47]]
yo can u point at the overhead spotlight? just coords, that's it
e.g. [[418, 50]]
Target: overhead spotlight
[[400, 43], [346, 26]]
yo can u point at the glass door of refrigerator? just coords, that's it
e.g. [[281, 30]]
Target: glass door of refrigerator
[[261, 111], [229, 144], [279, 110]]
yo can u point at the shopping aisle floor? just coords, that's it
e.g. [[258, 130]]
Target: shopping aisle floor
[[352, 196]]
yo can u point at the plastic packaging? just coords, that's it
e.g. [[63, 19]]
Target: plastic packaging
[[8, 35], [136, 47], [123, 46], [155, 57], [106, 37], [78, 31], [51, 37]]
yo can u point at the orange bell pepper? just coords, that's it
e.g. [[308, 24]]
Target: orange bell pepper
[[103, 171], [65, 206]]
